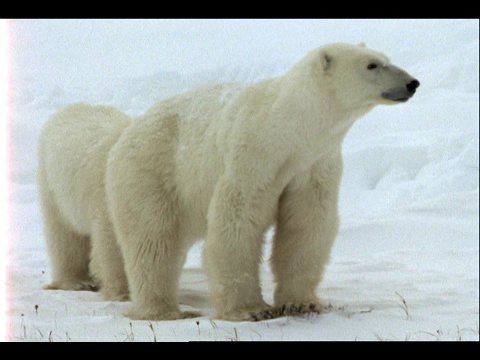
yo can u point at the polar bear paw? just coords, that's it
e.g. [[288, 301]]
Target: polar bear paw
[[75, 285], [295, 309], [162, 315], [270, 313], [110, 293], [257, 314]]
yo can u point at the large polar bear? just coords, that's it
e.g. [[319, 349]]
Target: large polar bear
[[228, 161]]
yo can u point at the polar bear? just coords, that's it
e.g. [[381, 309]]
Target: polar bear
[[73, 149], [227, 162]]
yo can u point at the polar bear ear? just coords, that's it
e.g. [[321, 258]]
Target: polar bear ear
[[362, 44], [326, 60]]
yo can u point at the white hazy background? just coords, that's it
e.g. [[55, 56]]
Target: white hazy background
[[405, 263]]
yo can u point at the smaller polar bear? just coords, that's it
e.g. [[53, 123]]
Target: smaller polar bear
[[73, 151], [225, 162]]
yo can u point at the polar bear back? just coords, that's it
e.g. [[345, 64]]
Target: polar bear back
[[192, 124]]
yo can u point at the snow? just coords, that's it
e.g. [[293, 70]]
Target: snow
[[405, 265]]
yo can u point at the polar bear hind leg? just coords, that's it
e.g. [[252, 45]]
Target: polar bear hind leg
[[106, 262], [153, 256], [69, 251], [146, 221]]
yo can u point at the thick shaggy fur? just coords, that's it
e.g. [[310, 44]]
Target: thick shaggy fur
[[225, 162]]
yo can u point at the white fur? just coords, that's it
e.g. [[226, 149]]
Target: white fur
[[227, 162]]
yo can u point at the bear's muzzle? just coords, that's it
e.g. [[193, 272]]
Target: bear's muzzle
[[402, 94]]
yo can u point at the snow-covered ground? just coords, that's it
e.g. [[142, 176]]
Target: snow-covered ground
[[405, 265]]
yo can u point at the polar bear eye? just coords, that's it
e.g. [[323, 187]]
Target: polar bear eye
[[372, 66]]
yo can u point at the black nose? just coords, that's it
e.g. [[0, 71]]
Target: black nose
[[413, 85]]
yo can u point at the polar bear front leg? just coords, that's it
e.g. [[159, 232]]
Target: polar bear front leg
[[237, 220], [306, 229]]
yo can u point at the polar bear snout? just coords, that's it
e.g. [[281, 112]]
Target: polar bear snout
[[402, 93], [399, 84]]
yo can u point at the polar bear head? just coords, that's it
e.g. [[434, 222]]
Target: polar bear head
[[358, 77]]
